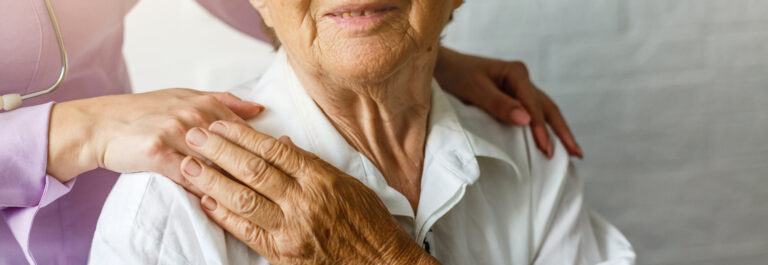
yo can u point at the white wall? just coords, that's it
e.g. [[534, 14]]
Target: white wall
[[176, 43], [669, 99]]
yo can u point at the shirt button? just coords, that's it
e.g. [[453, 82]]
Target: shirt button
[[425, 244]]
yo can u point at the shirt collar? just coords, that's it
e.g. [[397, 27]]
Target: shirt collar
[[450, 148]]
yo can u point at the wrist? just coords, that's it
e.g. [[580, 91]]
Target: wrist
[[411, 253], [445, 56], [446, 63], [425, 259], [70, 151]]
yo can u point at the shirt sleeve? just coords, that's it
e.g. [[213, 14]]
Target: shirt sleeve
[[239, 14], [24, 185], [566, 230], [24, 159]]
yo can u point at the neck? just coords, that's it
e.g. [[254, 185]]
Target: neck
[[386, 121]]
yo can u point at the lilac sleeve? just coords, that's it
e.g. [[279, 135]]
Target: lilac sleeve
[[24, 185]]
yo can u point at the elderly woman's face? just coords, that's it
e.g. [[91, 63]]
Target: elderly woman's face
[[357, 40]]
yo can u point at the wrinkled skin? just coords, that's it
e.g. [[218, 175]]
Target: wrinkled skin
[[289, 205]]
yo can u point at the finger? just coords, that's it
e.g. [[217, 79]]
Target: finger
[[249, 233], [245, 166], [169, 168], [558, 124], [276, 153], [526, 89], [243, 109], [239, 199], [499, 104], [287, 140]]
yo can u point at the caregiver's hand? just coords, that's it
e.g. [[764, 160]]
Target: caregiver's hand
[[290, 206], [135, 132], [492, 84]]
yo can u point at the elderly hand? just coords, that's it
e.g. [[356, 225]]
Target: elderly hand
[[488, 83], [137, 132], [290, 206]]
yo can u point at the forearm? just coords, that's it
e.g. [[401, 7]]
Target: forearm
[[426, 259], [69, 141], [408, 252]]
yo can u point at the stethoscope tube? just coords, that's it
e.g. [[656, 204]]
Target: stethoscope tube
[[12, 101]]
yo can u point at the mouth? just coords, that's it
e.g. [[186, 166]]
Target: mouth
[[360, 17], [352, 12]]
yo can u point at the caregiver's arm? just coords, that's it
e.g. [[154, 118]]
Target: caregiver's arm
[[290, 206], [132, 133]]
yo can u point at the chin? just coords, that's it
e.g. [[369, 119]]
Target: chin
[[369, 63]]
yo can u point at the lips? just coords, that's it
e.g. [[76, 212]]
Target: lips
[[360, 10], [353, 12], [362, 19]]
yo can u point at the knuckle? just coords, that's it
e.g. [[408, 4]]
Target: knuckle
[[519, 67], [270, 147], [208, 100], [245, 202], [183, 90], [173, 127], [249, 233], [155, 146], [253, 171], [193, 115], [228, 94]]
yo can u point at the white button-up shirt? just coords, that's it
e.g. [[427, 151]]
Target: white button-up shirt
[[487, 197]]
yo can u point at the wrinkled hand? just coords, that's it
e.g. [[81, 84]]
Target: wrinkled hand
[[488, 83], [138, 132], [290, 206]]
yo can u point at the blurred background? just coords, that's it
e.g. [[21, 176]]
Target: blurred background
[[668, 98]]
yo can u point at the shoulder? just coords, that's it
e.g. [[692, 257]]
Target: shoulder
[[514, 143]]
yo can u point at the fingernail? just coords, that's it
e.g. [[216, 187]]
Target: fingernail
[[219, 128], [191, 167], [259, 107], [550, 150], [197, 137], [209, 203], [520, 116], [579, 152]]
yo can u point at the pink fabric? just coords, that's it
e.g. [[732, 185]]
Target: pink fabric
[[51, 221], [238, 14]]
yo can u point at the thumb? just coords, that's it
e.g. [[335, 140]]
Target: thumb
[[244, 109]]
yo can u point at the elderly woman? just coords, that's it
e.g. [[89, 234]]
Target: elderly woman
[[353, 86]]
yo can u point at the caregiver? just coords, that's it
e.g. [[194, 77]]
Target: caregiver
[[58, 159]]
